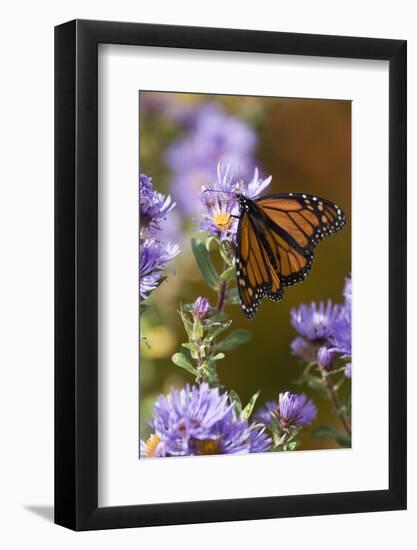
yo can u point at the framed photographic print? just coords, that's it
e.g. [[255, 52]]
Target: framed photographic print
[[230, 275]]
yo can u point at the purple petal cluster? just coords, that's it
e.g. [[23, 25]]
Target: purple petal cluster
[[263, 414], [256, 185], [326, 356], [295, 409], [290, 410], [153, 256], [221, 208], [154, 252], [169, 229], [153, 206], [212, 136], [315, 322], [198, 420], [303, 349], [325, 331], [341, 337], [200, 308]]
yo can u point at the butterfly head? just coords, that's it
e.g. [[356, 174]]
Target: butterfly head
[[244, 202]]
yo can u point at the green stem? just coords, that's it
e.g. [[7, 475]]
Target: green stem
[[222, 293], [335, 401], [336, 371], [222, 296]]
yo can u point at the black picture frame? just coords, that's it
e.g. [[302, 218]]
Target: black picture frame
[[76, 271]]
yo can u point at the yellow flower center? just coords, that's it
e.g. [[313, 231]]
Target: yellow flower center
[[222, 220], [207, 447], [151, 445]]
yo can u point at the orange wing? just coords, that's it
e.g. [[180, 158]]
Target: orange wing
[[296, 224], [256, 276]]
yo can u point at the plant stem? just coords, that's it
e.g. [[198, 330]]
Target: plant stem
[[335, 401], [199, 364], [222, 294]]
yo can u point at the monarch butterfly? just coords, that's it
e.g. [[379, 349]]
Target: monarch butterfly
[[276, 236]]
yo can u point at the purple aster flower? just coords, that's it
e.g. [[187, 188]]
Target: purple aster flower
[[315, 322], [258, 439], [186, 188], [325, 356], [234, 435], [254, 188], [169, 229], [153, 206], [341, 337], [186, 415], [295, 409], [290, 410], [219, 220], [152, 447], [198, 420], [221, 208], [200, 308], [303, 349], [212, 137], [153, 257], [263, 414]]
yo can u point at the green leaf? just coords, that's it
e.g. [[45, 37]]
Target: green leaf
[[291, 446], [197, 330], [217, 357], [324, 431], [236, 399], [228, 253], [344, 441], [327, 432], [215, 330], [211, 371], [219, 317], [234, 340], [247, 411], [275, 426], [232, 296], [204, 262], [181, 360], [193, 348], [224, 254], [186, 321], [228, 274], [209, 240], [190, 345]]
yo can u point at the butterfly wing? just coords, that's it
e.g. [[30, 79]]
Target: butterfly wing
[[296, 224], [256, 276]]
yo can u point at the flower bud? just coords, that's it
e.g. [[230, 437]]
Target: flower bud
[[200, 308]]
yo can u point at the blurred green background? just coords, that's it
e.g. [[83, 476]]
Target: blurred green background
[[305, 144]]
